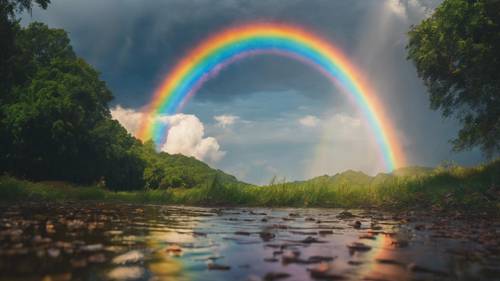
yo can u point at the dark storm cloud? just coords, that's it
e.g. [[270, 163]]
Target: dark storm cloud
[[135, 43]]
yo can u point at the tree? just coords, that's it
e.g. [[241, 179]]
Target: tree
[[56, 122], [9, 27], [457, 53]]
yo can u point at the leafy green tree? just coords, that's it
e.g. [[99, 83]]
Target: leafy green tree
[[116, 156], [56, 122], [457, 53], [9, 27]]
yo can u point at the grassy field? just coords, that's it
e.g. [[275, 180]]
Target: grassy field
[[443, 188]]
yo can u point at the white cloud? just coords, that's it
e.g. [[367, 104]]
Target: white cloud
[[309, 121], [406, 9], [185, 136], [346, 121], [225, 120], [129, 118], [397, 7]]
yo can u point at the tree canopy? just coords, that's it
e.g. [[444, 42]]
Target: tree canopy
[[55, 119], [457, 53]]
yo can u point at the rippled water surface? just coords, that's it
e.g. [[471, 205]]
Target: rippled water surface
[[137, 242]]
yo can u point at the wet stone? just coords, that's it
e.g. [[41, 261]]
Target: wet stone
[[129, 257], [345, 215], [266, 236], [216, 266], [357, 224], [390, 261], [359, 247]]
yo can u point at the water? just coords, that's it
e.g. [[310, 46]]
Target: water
[[143, 242]]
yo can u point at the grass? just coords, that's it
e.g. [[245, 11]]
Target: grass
[[444, 188]]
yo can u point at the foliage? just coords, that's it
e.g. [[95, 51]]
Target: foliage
[[164, 170], [8, 30], [448, 188], [456, 53], [55, 119]]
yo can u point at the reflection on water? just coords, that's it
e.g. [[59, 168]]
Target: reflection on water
[[131, 242]]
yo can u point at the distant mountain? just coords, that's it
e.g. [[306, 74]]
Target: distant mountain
[[347, 177], [351, 177]]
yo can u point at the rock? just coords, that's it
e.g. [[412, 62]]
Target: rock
[[126, 273], [290, 256], [129, 257], [345, 215], [215, 266], [390, 261], [359, 247], [266, 236], [357, 224], [355, 263], [92, 248], [309, 240], [318, 259], [420, 227], [53, 252], [174, 249]]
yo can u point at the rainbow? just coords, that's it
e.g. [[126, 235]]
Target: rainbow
[[236, 43]]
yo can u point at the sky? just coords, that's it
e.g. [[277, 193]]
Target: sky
[[265, 116]]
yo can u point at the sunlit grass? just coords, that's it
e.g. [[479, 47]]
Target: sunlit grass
[[444, 187]]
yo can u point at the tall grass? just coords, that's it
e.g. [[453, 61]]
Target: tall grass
[[445, 187]]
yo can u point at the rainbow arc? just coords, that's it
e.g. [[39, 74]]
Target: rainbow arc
[[236, 43]]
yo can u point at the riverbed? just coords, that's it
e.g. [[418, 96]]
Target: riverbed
[[101, 241]]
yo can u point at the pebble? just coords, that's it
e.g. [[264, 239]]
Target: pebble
[[215, 266]]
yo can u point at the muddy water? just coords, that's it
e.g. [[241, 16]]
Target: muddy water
[[138, 242]]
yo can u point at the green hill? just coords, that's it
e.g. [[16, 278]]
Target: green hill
[[348, 177], [357, 178], [165, 170]]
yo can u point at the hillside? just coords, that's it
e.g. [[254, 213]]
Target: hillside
[[358, 178], [164, 170]]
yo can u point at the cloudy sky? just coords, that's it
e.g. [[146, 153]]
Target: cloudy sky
[[264, 116]]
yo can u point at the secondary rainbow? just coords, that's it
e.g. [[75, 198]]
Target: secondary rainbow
[[239, 42]]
